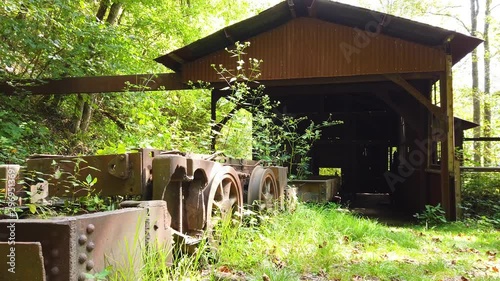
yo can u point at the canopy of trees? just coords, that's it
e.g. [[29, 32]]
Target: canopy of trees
[[67, 38]]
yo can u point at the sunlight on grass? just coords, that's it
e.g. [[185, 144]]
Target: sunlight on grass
[[328, 242]]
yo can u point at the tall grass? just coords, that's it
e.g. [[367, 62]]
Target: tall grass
[[333, 243], [329, 243]]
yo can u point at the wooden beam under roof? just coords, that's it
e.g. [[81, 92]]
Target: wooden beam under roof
[[398, 79], [98, 84]]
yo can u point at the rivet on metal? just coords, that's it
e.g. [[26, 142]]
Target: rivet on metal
[[82, 277], [90, 265], [82, 258], [90, 246], [54, 253], [90, 228], [55, 270], [82, 239]]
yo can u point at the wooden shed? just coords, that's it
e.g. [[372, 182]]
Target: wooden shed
[[387, 78]]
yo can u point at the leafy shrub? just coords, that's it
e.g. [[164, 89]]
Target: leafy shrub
[[20, 137], [481, 197], [432, 215]]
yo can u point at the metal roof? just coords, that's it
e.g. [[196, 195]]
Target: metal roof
[[329, 11]]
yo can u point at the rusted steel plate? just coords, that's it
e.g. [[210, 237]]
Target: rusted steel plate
[[181, 181], [21, 261], [319, 190], [117, 174], [98, 84], [241, 165], [73, 246], [54, 236], [109, 238], [281, 174]]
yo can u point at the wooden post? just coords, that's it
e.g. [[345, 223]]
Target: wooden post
[[448, 186], [215, 96]]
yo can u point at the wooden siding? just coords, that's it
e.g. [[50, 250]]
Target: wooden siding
[[310, 48]]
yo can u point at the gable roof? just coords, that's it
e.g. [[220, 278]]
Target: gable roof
[[329, 11]]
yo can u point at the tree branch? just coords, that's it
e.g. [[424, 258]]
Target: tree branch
[[113, 118], [453, 17]]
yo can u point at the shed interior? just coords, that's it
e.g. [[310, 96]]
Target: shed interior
[[377, 73]]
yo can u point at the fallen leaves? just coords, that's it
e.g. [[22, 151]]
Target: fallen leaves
[[436, 239]]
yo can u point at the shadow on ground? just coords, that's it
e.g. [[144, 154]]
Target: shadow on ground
[[378, 206]]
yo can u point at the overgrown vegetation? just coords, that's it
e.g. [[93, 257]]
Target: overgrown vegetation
[[277, 138], [64, 38], [328, 243], [481, 197], [431, 216], [77, 194]]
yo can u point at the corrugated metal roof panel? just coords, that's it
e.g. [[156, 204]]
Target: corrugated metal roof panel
[[328, 11], [310, 48]]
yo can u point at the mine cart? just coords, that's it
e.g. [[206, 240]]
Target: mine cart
[[171, 197]]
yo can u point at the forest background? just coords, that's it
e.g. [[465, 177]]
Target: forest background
[[69, 38]]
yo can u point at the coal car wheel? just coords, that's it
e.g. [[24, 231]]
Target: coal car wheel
[[225, 200], [262, 189]]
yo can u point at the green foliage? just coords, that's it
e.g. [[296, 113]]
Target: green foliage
[[432, 215], [61, 38], [79, 194], [20, 135], [100, 276], [328, 243], [164, 262], [277, 139], [481, 197]]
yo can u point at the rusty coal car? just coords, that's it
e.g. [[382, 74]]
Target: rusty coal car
[[173, 197]]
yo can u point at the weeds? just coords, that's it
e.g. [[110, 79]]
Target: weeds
[[327, 243], [432, 215], [481, 197], [323, 243], [78, 193]]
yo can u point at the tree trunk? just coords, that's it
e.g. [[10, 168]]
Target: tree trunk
[[114, 13], [103, 8], [88, 108], [78, 114], [476, 100], [487, 95]]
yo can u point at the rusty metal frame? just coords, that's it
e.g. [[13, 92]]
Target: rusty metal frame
[[117, 174], [73, 246], [96, 84], [181, 181]]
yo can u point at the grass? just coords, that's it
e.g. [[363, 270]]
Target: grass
[[327, 243]]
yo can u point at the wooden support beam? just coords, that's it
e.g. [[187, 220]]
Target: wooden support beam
[[98, 84], [401, 110], [483, 139], [311, 9], [480, 169], [449, 193], [214, 98], [291, 6], [433, 76], [398, 79]]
